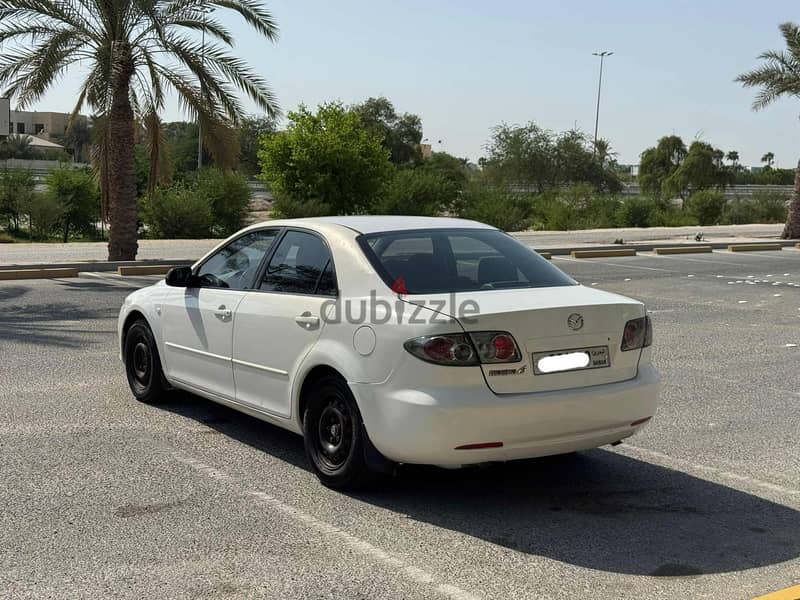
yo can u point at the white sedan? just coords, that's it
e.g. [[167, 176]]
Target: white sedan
[[386, 340]]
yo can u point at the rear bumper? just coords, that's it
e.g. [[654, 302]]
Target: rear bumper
[[426, 426]]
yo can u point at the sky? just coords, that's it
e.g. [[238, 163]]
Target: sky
[[466, 66]]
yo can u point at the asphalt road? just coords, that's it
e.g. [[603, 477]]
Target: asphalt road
[[101, 496]]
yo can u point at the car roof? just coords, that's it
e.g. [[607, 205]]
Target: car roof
[[381, 223]]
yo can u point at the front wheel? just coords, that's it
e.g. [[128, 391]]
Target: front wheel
[[333, 435], [143, 365]]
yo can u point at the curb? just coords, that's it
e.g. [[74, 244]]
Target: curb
[[546, 255], [144, 270], [15, 274], [652, 247], [603, 253], [102, 266], [682, 250], [754, 247], [792, 593]]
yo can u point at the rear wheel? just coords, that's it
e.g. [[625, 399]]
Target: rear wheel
[[143, 365], [333, 435]]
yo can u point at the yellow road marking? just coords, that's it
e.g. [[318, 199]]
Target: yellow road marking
[[792, 593]]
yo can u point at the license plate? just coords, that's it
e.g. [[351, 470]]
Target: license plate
[[578, 359]]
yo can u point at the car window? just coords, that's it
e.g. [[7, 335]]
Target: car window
[[235, 265], [453, 260], [300, 265]]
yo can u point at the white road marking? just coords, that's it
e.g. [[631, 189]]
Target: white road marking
[[415, 574], [112, 280], [687, 466]]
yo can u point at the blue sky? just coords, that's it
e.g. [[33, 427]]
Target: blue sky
[[466, 66]]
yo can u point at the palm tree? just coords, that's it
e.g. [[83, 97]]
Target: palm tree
[[134, 52], [20, 146], [777, 77], [733, 157], [78, 138], [768, 159]]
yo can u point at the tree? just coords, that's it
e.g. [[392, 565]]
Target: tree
[[251, 129], [75, 190], [417, 192], [133, 54], [538, 160], [79, 139], [400, 134], [777, 77], [659, 163], [16, 189], [768, 159], [701, 169], [733, 157], [20, 146], [324, 163], [228, 195]]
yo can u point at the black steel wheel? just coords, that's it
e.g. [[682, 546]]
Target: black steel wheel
[[333, 437], [143, 365]]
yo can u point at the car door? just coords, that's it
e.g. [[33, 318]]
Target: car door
[[278, 323], [198, 320]]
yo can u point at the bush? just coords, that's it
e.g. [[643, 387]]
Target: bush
[[16, 188], [636, 211], [502, 209], [416, 192], [577, 207], [707, 206], [288, 208], [44, 214], [228, 196], [77, 193], [770, 207], [177, 212]]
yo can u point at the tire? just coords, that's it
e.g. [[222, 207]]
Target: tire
[[143, 364], [333, 435]]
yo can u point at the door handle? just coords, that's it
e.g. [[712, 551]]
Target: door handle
[[223, 312], [308, 320]]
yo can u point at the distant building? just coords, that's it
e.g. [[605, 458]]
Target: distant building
[[426, 150], [45, 125]]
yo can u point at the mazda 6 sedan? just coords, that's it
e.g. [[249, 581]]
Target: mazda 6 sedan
[[388, 340]]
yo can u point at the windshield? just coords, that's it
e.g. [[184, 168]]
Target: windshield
[[439, 261]]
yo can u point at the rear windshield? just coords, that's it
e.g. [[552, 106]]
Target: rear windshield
[[457, 260]]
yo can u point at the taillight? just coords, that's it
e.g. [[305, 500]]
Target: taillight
[[464, 350], [495, 346], [455, 350], [638, 333]]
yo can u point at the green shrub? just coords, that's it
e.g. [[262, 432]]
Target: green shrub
[[228, 195], [739, 211], [502, 209], [770, 207], [706, 206], [77, 193], [289, 208], [671, 216], [636, 212], [177, 212], [416, 192], [44, 213]]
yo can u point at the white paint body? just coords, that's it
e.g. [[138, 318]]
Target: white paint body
[[254, 357]]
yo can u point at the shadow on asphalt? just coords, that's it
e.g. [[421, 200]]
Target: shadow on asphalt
[[595, 509], [41, 322]]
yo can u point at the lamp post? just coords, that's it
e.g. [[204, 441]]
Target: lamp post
[[602, 56], [203, 61]]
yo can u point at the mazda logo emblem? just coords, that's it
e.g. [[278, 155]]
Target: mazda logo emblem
[[575, 321]]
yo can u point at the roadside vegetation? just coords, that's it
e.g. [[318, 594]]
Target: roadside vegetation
[[148, 181]]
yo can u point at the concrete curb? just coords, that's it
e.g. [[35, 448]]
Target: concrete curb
[[546, 255], [683, 249], [603, 253], [753, 247], [15, 274], [144, 270], [102, 266]]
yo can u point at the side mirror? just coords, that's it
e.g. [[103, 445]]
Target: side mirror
[[179, 277]]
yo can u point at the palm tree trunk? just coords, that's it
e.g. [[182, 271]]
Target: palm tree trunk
[[123, 217], [792, 229]]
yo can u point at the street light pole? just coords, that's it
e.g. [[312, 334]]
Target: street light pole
[[602, 56], [199, 126]]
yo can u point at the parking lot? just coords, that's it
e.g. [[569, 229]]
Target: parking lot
[[102, 496]]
